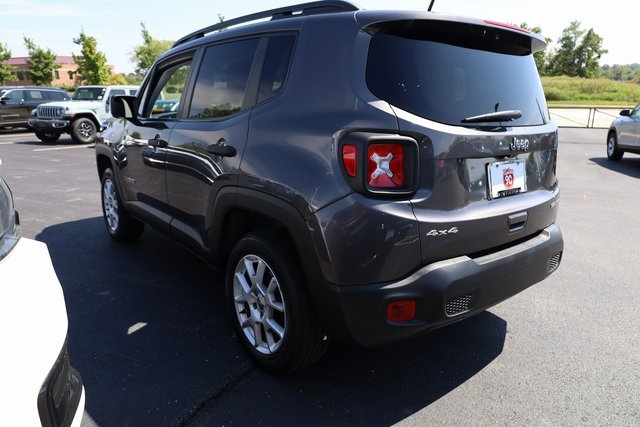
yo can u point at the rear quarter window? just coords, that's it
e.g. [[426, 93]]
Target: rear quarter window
[[448, 76]]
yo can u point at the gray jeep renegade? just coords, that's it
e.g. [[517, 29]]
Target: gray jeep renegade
[[363, 176]]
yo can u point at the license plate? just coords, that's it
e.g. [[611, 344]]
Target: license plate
[[507, 178]]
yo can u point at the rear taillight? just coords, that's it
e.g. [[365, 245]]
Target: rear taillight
[[380, 163], [386, 166]]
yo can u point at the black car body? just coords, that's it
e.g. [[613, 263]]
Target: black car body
[[16, 103], [361, 175]]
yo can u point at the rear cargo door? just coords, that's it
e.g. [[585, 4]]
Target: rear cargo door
[[471, 96]]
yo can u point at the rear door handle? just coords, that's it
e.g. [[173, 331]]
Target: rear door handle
[[222, 149]]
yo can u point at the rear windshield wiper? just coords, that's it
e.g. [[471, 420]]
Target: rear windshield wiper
[[498, 116]]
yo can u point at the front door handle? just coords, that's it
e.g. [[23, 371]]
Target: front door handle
[[156, 141], [222, 149]]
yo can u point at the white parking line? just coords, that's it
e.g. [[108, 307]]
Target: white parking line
[[60, 148], [7, 143]]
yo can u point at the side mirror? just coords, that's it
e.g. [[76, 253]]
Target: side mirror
[[625, 113], [4, 100], [124, 107]]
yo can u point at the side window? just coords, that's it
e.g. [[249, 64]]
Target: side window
[[15, 96], [276, 66], [169, 85], [222, 80], [635, 112], [35, 95]]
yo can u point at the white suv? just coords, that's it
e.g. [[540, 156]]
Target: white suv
[[82, 117]]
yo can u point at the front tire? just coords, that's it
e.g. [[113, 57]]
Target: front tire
[[84, 131], [613, 153], [120, 225], [47, 136], [272, 315]]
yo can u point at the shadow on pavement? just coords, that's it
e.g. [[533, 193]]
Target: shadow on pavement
[[628, 165], [149, 332]]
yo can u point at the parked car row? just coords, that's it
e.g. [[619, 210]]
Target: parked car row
[[51, 112], [17, 103]]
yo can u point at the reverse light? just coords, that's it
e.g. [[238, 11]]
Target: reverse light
[[386, 166], [401, 311]]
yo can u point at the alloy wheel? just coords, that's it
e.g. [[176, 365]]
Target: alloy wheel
[[259, 304], [110, 205]]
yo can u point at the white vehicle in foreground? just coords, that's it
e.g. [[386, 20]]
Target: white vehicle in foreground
[[39, 386]]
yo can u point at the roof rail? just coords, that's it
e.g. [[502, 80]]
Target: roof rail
[[312, 8]]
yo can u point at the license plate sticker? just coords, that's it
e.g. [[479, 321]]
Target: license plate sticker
[[507, 178]]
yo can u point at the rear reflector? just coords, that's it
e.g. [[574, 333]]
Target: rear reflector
[[349, 159], [401, 311]]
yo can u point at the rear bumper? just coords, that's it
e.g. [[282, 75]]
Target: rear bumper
[[445, 292]]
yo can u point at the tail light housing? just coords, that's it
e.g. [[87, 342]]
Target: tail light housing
[[380, 164]]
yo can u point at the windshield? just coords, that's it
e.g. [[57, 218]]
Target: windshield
[[450, 82], [89, 94]]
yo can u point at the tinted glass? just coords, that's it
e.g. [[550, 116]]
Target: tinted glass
[[56, 96], [447, 83], [171, 84], [222, 80], [35, 95], [276, 66], [15, 95]]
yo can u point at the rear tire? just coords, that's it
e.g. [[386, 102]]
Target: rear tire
[[120, 225], [613, 153], [271, 312], [47, 136], [84, 131]]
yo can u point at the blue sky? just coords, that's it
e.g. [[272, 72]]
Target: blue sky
[[116, 24]]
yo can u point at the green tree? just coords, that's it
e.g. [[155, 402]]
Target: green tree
[[541, 57], [146, 54], [578, 54], [5, 69], [42, 63], [92, 63], [117, 79], [589, 52]]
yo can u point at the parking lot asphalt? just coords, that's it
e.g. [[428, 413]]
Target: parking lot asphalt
[[150, 335]]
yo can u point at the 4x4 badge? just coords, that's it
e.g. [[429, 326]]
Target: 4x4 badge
[[436, 233]]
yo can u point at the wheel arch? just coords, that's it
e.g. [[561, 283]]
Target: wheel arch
[[239, 211], [89, 116], [103, 162]]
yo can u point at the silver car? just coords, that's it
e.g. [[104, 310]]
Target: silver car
[[624, 134]]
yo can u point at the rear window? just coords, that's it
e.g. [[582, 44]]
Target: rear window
[[448, 76], [57, 96]]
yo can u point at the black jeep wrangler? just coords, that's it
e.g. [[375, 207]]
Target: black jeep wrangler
[[360, 175]]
